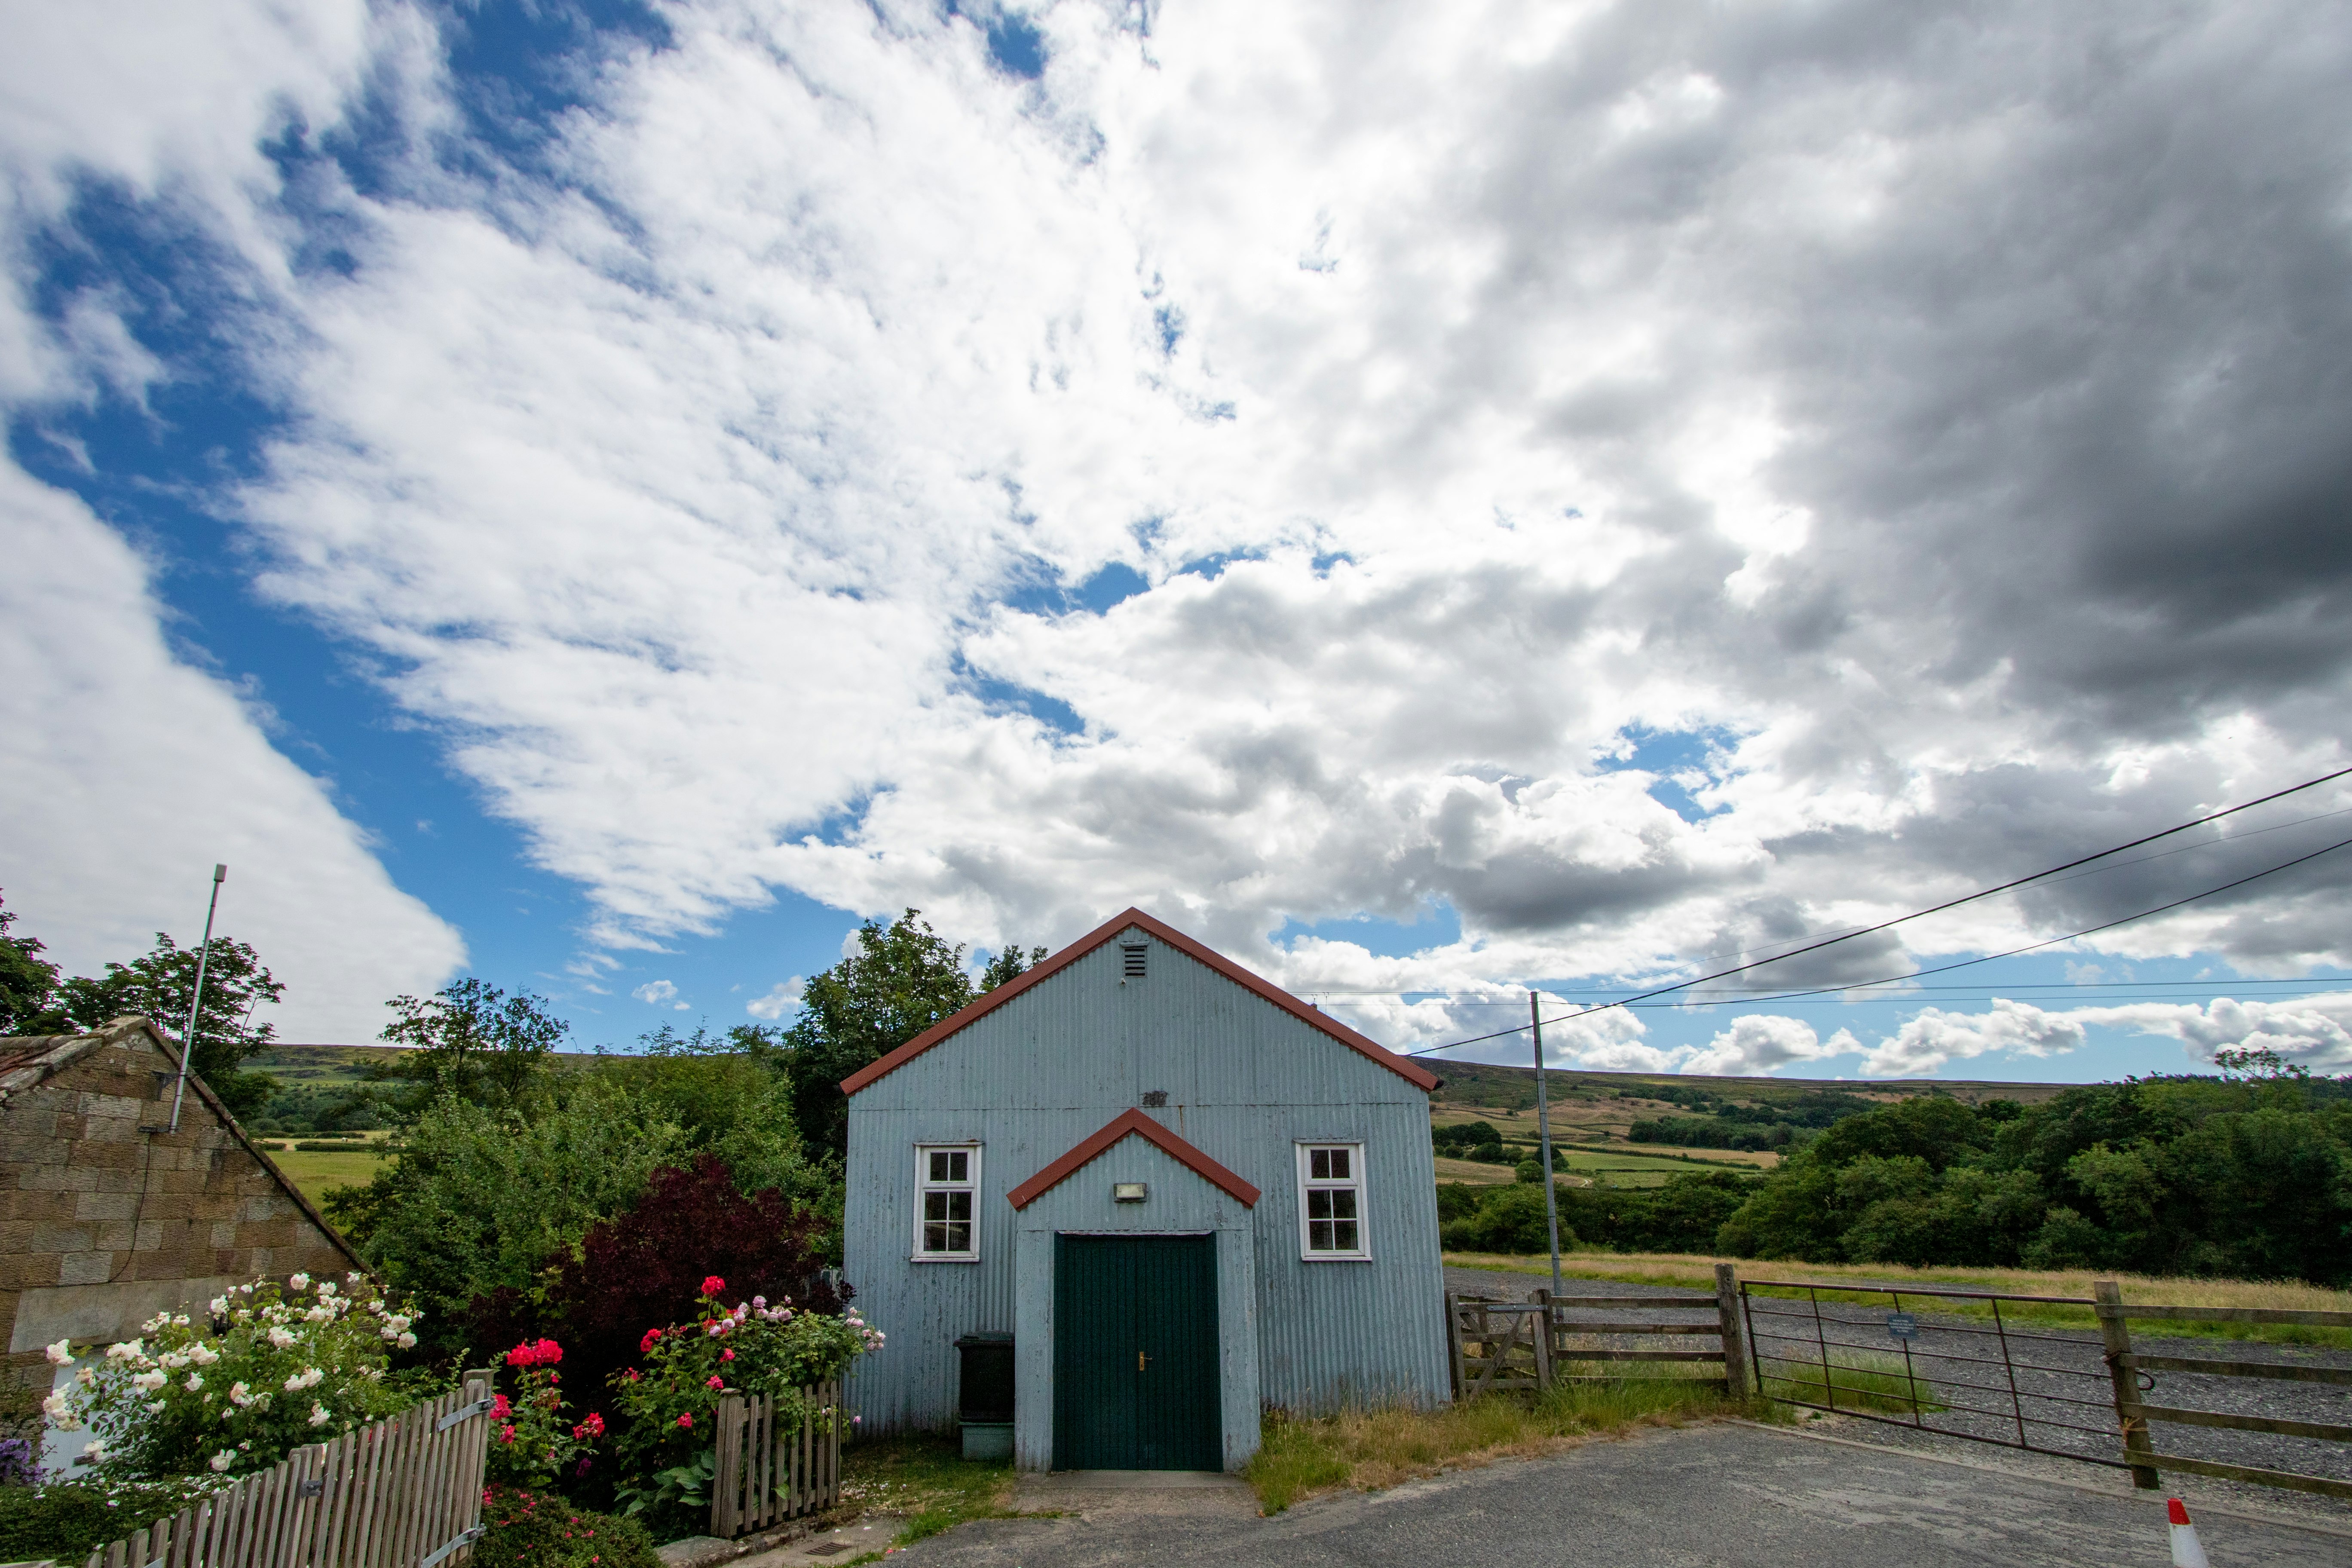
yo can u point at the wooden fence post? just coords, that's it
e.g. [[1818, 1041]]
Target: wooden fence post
[[1454, 1342], [2116, 1331], [1735, 1343], [726, 1471], [1542, 1298]]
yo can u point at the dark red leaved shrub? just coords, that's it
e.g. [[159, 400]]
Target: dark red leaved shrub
[[644, 1268]]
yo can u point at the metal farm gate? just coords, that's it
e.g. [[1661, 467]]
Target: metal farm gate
[[2060, 1374]]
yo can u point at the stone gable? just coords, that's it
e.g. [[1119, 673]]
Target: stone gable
[[107, 1219]]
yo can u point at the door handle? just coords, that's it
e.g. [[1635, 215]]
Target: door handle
[[1139, 1359]]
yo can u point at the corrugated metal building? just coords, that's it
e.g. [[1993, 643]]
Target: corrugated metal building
[[1186, 1194]]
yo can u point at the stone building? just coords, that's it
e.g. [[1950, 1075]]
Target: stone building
[[107, 1218]]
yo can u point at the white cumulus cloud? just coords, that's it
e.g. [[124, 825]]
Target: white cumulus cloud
[[784, 998], [128, 774]]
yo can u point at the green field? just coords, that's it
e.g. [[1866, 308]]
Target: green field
[[317, 1173]]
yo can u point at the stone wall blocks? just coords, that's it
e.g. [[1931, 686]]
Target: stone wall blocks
[[64, 1236], [27, 1271], [85, 1268]]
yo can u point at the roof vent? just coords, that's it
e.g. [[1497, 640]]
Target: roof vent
[[1135, 951]]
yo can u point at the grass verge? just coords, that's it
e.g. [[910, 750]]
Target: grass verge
[[1371, 1449], [1696, 1272], [926, 1480], [1856, 1380]]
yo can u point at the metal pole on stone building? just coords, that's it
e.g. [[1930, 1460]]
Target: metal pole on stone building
[[203, 956], [1543, 1129]]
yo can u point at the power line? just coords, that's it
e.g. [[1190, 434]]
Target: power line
[[2051, 941], [1955, 903], [1842, 933], [2317, 983]]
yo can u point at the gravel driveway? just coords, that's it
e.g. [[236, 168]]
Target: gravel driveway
[[1719, 1494], [2060, 1382]]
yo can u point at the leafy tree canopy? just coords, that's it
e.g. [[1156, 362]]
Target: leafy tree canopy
[[2249, 1175], [472, 1040], [158, 987], [28, 984], [903, 978]]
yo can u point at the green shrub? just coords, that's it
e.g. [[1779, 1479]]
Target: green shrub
[[69, 1520], [268, 1369], [541, 1530]]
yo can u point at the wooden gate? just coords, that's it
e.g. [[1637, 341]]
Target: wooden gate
[[403, 1493], [1528, 1346], [768, 1470]]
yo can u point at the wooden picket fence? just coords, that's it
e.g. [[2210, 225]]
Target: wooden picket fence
[[403, 1493], [1500, 1347], [767, 1471]]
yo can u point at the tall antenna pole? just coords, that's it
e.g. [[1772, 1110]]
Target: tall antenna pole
[[1543, 1127], [203, 956]]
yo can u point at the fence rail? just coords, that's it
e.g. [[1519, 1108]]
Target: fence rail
[[1859, 1351], [2115, 1327], [771, 1469], [403, 1493], [1523, 1346]]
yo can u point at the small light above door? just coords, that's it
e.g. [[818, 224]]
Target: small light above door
[[1129, 1192]]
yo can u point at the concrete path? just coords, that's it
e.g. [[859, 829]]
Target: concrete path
[[1721, 1494]]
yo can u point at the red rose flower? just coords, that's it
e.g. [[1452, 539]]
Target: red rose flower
[[712, 1285]]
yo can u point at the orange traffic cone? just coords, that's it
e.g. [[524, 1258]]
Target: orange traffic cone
[[2186, 1551]]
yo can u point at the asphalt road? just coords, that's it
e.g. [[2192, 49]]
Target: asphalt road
[[1717, 1494]]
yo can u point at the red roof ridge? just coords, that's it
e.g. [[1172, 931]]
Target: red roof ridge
[[1126, 1124], [1315, 1018]]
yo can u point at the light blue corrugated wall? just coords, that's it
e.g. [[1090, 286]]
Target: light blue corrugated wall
[[1245, 1081]]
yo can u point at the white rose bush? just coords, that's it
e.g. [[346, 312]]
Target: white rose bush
[[266, 1370]]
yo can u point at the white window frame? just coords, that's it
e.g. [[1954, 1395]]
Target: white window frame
[[925, 1186], [1353, 1182]]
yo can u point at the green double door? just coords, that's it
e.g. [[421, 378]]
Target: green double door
[[1135, 1354]]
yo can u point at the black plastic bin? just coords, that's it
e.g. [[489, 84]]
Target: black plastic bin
[[985, 1395]]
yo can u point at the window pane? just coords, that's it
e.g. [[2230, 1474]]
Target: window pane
[[1319, 1204], [939, 1165], [1319, 1164], [959, 1206], [958, 1238], [1344, 1236], [959, 1166], [1343, 1203], [935, 1205], [935, 1239], [1340, 1165], [1318, 1235]]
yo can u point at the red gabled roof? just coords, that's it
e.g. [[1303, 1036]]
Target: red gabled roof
[[1420, 1077], [1132, 1123]]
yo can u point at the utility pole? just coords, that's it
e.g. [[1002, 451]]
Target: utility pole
[[1543, 1129], [203, 956]]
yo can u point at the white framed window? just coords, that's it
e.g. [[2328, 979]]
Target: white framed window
[[947, 1202], [1331, 1201]]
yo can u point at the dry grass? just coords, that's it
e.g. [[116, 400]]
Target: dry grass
[[1762, 1158], [1696, 1270], [1368, 1451], [1475, 1171]]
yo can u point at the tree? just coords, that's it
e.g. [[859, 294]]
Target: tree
[[1006, 964], [28, 984], [472, 1040], [903, 978], [160, 986]]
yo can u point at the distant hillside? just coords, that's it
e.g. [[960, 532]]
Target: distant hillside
[[1514, 1089], [338, 1066]]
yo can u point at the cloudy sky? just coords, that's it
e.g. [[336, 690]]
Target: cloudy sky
[[1433, 499]]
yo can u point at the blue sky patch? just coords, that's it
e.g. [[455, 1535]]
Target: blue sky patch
[[1669, 753]]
